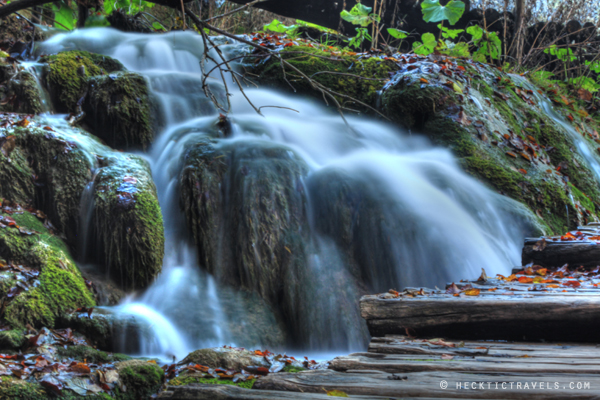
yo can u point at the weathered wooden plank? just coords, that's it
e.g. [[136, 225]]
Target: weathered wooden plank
[[393, 363], [492, 352], [429, 384], [557, 254], [230, 392], [556, 318], [395, 344]]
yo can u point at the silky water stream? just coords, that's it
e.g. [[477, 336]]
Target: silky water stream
[[432, 223]]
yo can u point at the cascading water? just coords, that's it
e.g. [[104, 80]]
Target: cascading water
[[417, 220]]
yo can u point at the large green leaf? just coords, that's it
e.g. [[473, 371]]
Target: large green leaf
[[359, 15], [397, 33], [427, 46], [433, 11], [64, 17], [276, 26]]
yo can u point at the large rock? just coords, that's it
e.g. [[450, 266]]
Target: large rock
[[226, 358], [51, 282], [52, 171], [116, 103], [258, 233]]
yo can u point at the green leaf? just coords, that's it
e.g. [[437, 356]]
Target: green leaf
[[398, 34], [450, 33], [96, 21], [427, 46], [64, 17], [476, 32], [275, 26], [157, 26], [433, 11], [359, 15]]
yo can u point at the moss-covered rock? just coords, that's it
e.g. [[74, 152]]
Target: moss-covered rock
[[59, 287], [188, 378], [21, 91], [118, 109], [91, 355], [52, 170], [138, 379], [266, 211], [128, 222], [342, 72], [12, 340], [67, 75], [13, 388], [226, 358]]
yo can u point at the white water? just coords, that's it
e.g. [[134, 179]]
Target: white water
[[451, 226]]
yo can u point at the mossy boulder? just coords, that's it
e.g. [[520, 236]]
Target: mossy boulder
[[501, 134], [14, 388], [266, 211], [12, 340], [20, 89], [128, 222], [138, 379], [59, 287], [118, 109], [116, 103], [90, 354], [343, 72], [226, 358], [67, 73], [51, 171]]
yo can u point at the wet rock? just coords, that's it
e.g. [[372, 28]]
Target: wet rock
[[226, 358], [14, 29], [19, 91], [128, 222], [139, 379], [51, 171], [45, 282], [118, 109], [265, 211], [67, 73]]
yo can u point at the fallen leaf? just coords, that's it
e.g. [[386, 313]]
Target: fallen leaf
[[336, 393], [472, 292], [540, 245]]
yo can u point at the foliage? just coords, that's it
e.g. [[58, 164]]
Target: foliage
[[426, 46], [433, 11], [488, 44], [360, 15]]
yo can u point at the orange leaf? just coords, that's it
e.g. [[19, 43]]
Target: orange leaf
[[525, 279], [572, 284], [542, 271], [511, 154], [423, 80], [552, 286], [472, 292], [524, 172]]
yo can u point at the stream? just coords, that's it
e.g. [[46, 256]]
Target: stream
[[435, 223]]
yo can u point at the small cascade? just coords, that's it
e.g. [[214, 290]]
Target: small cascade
[[35, 69], [372, 209]]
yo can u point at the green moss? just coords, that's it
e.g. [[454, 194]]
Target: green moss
[[12, 340], [128, 221], [334, 72], [23, 86], [118, 109], [583, 199], [414, 106], [187, 380], [67, 74], [17, 389], [292, 369], [90, 354], [61, 287], [141, 380], [16, 183]]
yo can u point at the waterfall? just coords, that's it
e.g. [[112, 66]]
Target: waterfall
[[418, 220]]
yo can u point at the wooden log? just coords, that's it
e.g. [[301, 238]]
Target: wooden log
[[556, 254], [394, 344], [429, 384], [516, 317], [401, 364], [230, 392]]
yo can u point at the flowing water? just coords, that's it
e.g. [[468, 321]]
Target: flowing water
[[434, 224]]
